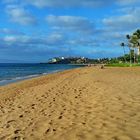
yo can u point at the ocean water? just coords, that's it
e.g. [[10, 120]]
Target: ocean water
[[10, 73]]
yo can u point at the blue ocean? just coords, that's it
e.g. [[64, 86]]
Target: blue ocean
[[10, 73]]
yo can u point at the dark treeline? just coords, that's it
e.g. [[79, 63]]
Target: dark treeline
[[79, 60], [133, 44]]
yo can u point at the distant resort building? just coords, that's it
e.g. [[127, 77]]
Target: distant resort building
[[53, 60], [56, 59], [68, 60]]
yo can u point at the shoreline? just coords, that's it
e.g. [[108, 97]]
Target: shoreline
[[83, 103], [28, 77]]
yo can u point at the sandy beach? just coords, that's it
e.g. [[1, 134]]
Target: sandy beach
[[81, 104]]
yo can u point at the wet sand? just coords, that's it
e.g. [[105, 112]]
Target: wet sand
[[81, 104]]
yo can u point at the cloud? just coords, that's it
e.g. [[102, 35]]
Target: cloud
[[10, 31], [56, 40], [71, 3], [71, 23], [53, 44], [42, 48], [63, 34], [19, 15], [128, 2], [127, 21], [79, 3], [10, 39], [53, 39], [9, 1], [84, 42]]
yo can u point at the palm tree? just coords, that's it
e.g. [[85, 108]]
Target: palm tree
[[123, 45], [129, 46], [134, 42], [137, 40]]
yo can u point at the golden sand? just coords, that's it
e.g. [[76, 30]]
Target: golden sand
[[81, 104]]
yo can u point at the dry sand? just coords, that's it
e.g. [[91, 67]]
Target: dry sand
[[81, 104]]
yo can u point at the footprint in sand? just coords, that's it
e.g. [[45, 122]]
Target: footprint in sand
[[10, 121], [21, 116], [47, 131], [60, 117], [19, 107], [17, 138], [17, 131], [33, 104], [49, 90], [50, 104]]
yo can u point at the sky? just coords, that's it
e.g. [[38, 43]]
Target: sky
[[36, 30]]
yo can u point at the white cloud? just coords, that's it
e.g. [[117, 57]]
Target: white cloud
[[9, 1], [127, 21], [16, 40], [69, 32], [55, 39], [52, 39], [10, 31], [72, 23], [79, 3], [128, 2], [10, 39], [71, 3], [20, 15]]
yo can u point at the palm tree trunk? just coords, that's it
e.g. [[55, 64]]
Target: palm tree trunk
[[138, 53], [134, 56], [138, 50], [130, 57], [124, 54]]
